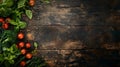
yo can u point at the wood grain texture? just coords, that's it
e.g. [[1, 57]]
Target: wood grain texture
[[77, 33]]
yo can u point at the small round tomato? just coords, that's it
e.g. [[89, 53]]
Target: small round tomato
[[5, 26], [20, 36], [28, 56], [23, 51], [28, 45], [22, 63], [31, 2], [7, 20], [2, 20], [21, 44]]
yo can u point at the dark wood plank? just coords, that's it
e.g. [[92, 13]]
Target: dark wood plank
[[76, 37]]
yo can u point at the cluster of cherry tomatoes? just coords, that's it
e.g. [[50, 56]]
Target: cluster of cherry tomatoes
[[4, 22], [24, 48]]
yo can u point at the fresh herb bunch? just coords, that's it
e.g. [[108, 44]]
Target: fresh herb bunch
[[14, 8]]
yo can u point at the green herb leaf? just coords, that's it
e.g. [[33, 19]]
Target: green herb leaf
[[21, 3], [35, 44], [11, 61], [5, 11], [13, 22], [29, 13], [47, 1], [22, 24], [1, 57]]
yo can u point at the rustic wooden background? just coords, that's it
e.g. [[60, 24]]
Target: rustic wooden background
[[77, 33]]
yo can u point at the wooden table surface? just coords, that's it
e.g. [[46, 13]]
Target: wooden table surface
[[77, 33]]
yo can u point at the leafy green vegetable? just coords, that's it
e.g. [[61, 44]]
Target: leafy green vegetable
[[5, 7], [29, 13], [13, 22], [5, 11], [6, 3], [21, 3], [36, 62], [9, 54], [18, 23], [22, 24], [47, 1], [35, 44]]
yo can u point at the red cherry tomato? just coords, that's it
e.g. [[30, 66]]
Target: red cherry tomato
[[28, 45], [5, 26], [23, 51], [2, 20], [20, 36], [21, 44], [32, 2], [22, 63], [28, 56]]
